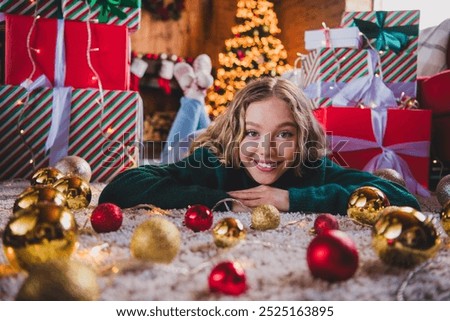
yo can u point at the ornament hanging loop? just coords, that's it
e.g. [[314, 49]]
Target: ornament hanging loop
[[225, 200]]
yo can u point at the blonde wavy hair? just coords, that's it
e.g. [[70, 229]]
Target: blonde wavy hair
[[225, 134]]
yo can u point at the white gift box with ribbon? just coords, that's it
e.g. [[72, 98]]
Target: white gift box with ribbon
[[333, 38]]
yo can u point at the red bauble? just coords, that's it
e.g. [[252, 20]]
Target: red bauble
[[228, 278], [106, 217], [332, 256], [198, 218], [325, 222]]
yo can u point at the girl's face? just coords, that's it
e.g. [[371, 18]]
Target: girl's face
[[270, 141]]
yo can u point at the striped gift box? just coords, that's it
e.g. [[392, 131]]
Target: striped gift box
[[327, 69], [399, 70], [107, 138], [392, 19], [81, 11], [43, 8]]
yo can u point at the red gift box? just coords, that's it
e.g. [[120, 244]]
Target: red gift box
[[109, 52], [433, 94], [106, 135], [404, 145]]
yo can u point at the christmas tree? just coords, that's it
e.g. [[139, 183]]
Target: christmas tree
[[253, 52]]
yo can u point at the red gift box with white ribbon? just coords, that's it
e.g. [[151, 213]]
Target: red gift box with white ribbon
[[93, 55], [369, 139]]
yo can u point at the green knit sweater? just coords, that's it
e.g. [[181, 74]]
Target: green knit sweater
[[201, 179]]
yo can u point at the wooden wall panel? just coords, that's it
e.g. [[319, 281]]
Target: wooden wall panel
[[296, 16], [206, 24], [183, 37]]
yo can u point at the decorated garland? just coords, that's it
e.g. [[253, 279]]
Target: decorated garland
[[160, 11]]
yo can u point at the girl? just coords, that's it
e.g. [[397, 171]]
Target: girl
[[267, 148]]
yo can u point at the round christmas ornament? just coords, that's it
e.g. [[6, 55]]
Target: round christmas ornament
[[46, 176], [39, 193], [106, 217], [77, 191], [445, 218], [265, 217], [157, 240], [390, 175], [325, 222], [228, 232], [332, 256], [75, 165], [39, 233], [60, 281], [404, 237], [443, 190], [198, 218], [365, 204], [228, 278]]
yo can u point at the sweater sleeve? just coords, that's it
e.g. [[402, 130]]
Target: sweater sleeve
[[190, 181], [331, 193]]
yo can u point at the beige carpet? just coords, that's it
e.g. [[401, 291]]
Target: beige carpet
[[274, 261]]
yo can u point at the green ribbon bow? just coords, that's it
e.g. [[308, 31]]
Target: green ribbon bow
[[395, 38], [110, 8]]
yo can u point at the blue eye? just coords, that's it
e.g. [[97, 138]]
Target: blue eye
[[285, 134], [251, 133]]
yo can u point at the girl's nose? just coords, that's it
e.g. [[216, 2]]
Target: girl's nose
[[266, 145]]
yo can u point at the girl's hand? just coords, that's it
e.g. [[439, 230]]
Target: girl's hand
[[261, 195]]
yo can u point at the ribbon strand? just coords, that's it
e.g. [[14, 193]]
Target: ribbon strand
[[102, 99]]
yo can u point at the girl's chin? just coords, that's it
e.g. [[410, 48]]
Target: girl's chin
[[263, 177]]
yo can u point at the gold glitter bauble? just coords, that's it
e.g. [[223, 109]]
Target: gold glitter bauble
[[77, 191], [228, 232], [443, 190], [46, 176], [445, 218], [60, 281], [38, 234], [265, 217], [156, 240], [365, 204], [39, 193], [390, 175], [75, 165], [404, 237]]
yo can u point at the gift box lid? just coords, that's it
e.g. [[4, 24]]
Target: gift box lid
[[332, 38]]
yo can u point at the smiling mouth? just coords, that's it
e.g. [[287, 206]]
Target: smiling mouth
[[266, 166]]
